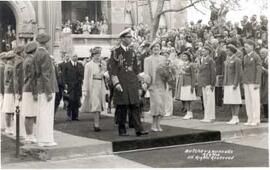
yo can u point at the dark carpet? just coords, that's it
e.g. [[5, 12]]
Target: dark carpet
[[237, 156], [170, 136]]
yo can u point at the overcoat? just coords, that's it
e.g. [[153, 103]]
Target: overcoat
[[124, 69], [74, 80], [44, 72]]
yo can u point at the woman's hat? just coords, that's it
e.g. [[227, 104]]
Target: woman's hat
[[19, 49], [154, 43], [95, 50], [125, 33], [250, 42], [232, 48], [208, 47], [30, 47], [43, 38]]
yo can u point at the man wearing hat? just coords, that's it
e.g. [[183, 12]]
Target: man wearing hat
[[123, 71], [18, 83], [252, 80], [2, 69], [9, 98], [73, 81], [207, 80], [46, 86]]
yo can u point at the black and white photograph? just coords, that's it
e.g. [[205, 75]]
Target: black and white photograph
[[134, 84]]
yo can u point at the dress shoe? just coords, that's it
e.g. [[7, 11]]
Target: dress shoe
[[123, 134], [142, 133], [254, 124], [154, 129], [76, 119], [233, 121], [247, 124]]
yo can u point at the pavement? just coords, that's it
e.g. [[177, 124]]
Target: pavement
[[84, 149]]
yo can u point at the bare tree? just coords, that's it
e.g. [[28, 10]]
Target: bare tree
[[230, 4], [159, 11]]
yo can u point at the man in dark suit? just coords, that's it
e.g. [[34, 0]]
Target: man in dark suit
[[60, 79], [123, 71], [73, 81]]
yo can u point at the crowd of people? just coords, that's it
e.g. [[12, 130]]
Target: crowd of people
[[8, 39], [219, 64], [86, 27]]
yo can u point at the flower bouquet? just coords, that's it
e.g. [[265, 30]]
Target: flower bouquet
[[167, 72]]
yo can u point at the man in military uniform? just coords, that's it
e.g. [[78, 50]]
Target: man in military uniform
[[123, 71]]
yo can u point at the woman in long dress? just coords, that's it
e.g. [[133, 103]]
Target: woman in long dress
[[232, 94], [157, 87], [94, 87]]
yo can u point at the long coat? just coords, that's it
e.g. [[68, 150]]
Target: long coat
[[157, 87], [18, 74], [207, 72], [94, 87], [124, 69], [252, 69], [44, 72], [74, 80]]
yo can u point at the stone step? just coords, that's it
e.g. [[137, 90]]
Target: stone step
[[69, 146]]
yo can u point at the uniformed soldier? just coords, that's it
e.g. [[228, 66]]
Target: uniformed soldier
[[18, 83], [252, 80], [123, 71], [46, 87], [2, 69], [9, 95]]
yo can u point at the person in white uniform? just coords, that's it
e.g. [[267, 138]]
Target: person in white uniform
[[252, 80], [207, 80], [46, 85]]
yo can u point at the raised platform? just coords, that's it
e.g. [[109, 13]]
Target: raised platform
[[77, 139]]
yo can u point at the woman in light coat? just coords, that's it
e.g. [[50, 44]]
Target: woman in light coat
[[157, 87], [94, 87]]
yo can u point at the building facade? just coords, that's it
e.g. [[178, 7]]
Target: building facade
[[28, 18]]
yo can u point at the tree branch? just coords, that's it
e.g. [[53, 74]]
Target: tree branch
[[150, 10], [181, 9], [194, 6]]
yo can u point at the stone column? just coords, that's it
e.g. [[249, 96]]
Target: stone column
[[58, 24], [41, 21]]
